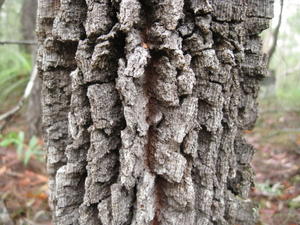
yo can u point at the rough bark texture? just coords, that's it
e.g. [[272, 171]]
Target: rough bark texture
[[144, 106]]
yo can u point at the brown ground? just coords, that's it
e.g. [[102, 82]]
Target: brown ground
[[277, 166], [23, 189]]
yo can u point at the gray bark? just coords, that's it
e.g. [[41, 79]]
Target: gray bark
[[144, 106]]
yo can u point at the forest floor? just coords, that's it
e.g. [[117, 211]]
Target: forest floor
[[276, 163], [23, 185], [276, 137]]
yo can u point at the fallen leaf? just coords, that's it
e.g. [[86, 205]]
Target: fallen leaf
[[3, 170], [145, 45]]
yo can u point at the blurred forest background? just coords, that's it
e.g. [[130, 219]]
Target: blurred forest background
[[276, 137]]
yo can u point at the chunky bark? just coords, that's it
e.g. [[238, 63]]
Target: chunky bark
[[144, 106]]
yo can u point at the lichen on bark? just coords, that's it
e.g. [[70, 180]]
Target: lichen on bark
[[144, 106]]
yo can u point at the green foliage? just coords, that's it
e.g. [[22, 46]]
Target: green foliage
[[271, 190], [296, 179], [289, 92], [295, 203], [294, 22], [10, 19], [285, 61], [15, 63], [25, 150], [15, 67]]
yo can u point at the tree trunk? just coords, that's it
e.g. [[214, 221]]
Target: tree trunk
[[28, 22], [144, 106], [34, 109], [1, 3]]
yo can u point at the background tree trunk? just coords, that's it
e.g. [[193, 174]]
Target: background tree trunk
[[144, 106], [28, 22], [1, 3], [28, 25]]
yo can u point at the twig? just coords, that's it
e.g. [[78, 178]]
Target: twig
[[4, 215], [275, 35], [26, 42], [8, 115], [1, 3], [14, 174]]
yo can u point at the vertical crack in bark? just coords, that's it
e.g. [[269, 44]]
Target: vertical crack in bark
[[97, 59], [147, 129], [158, 201], [153, 118], [135, 176], [166, 65]]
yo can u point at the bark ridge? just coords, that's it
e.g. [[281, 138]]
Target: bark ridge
[[144, 106]]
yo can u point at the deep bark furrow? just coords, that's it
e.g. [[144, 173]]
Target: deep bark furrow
[[145, 103], [132, 84]]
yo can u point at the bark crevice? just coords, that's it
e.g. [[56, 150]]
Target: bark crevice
[[144, 105]]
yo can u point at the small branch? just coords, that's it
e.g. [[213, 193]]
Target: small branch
[[4, 215], [8, 115], [1, 3], [275, 35], [29, 42]]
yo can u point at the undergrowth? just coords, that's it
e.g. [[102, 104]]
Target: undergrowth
[[15, 67], [26, 150]]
